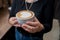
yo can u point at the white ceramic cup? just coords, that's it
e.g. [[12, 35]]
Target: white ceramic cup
[[24, 16]]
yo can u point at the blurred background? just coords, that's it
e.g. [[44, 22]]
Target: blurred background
[[5, 27]]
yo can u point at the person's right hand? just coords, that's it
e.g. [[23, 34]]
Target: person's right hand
[[13, 21]]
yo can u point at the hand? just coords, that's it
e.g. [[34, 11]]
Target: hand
[[13, 21], [33, 27]]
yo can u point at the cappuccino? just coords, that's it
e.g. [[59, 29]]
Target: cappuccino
[[23, 16]]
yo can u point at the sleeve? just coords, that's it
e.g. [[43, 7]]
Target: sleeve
[[48, 16], [12, 12]]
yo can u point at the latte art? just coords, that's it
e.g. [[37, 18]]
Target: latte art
[[25, 15]]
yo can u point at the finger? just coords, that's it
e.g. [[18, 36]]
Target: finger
[[15, 21], [29, 28], [36, 19], [26, 28], [32, 23], [12, 20], [17, 25]]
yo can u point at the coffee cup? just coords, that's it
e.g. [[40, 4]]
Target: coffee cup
[[24, 16]]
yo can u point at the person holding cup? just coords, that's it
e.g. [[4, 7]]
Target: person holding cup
[[31, 29]]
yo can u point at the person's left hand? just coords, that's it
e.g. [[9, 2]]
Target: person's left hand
[[33, 27]]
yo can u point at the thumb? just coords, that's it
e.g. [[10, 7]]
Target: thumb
[[15, 22]]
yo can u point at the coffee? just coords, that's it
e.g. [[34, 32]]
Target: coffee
[[23, 16]]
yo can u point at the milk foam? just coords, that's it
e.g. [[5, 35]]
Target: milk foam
[[25, 14]]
